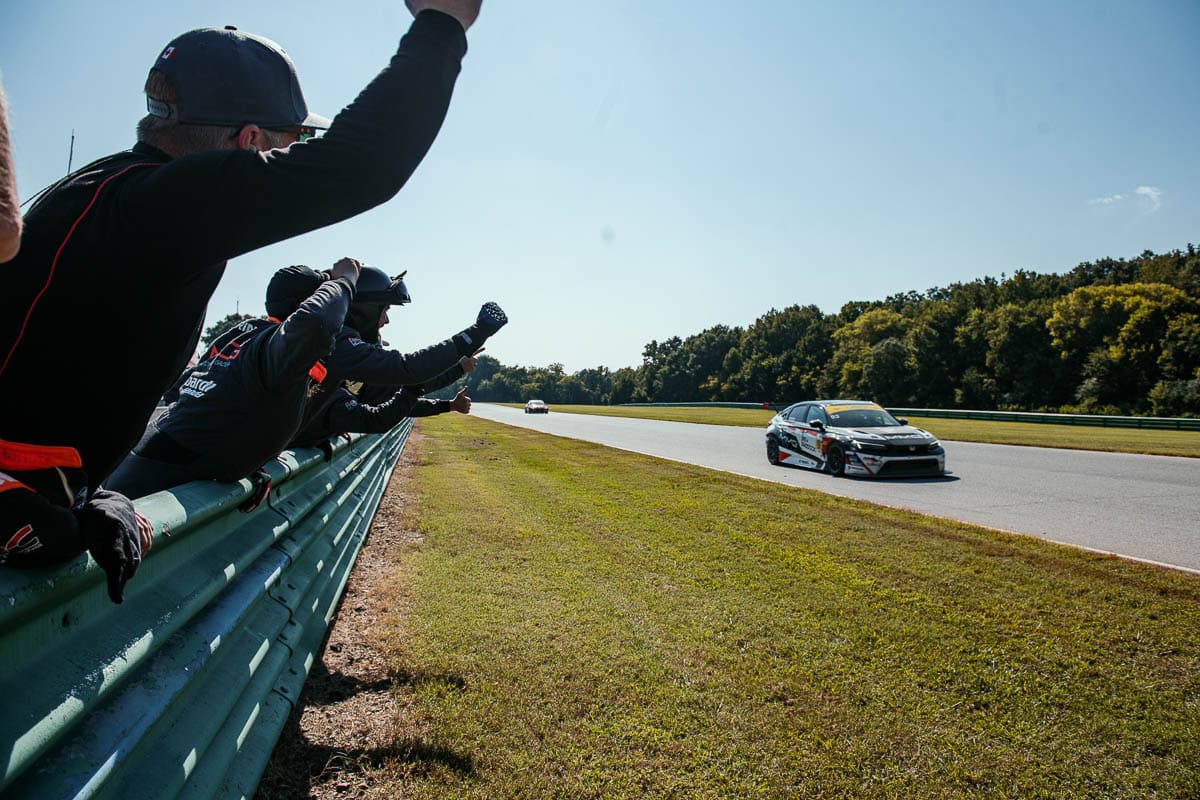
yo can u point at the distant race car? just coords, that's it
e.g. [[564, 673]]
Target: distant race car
[[537, 407], [852, 437]]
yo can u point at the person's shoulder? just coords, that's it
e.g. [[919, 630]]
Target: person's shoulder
[[137, 156]]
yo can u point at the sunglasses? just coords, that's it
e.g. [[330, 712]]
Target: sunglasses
[[302, 134]]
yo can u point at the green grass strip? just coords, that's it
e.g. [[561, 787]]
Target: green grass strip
[[1072, 437], [589, 623]]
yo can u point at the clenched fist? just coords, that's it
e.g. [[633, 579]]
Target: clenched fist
[[465, 11]]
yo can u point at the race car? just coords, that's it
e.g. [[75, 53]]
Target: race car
[[852, 437], [537, 407]]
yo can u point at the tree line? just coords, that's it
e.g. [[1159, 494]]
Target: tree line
[[1114, 336]]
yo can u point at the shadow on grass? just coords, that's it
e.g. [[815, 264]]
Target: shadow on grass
[[298, 765], [320, 764], [330, 687]]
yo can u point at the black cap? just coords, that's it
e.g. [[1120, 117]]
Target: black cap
[[223, 76], [291, 286]]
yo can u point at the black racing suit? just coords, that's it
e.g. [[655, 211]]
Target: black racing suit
[[243, 401], [356, 359], [107, 297], [347, 412]]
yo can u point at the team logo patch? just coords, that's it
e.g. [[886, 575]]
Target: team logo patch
[[170, 51], [22, 541]]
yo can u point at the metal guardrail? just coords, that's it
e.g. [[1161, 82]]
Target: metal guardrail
[[1095, 420], [773, 406], [183, 690]]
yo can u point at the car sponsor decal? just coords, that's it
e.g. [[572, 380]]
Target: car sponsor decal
[[787, 456]]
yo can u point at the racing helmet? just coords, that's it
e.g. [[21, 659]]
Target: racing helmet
[[374, 292]]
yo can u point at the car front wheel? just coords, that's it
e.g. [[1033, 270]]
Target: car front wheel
[[835, 461], [773, 451]]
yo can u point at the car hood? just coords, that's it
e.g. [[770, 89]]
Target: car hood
[[904, 434]]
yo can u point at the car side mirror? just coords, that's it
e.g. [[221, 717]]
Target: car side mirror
[[902, 420], [816, 423]]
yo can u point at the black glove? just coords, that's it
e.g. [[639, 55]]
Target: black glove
[[115, 535], [491, 319]]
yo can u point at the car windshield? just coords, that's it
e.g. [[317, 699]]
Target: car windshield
[[862, 418]]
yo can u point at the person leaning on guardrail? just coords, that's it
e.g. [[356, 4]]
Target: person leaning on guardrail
[[119, 259], [359, 356], [347, 411], [356, 407], [244, 399]]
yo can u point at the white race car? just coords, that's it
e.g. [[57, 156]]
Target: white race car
[[852, 437]]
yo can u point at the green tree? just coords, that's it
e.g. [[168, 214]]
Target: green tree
[[654, 357], [1112, 337], [939, 359], [887, 374], [1018, 357], [853, 360], [624, 383], [780, 357], [694, 370]]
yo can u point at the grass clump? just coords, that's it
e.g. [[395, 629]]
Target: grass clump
[[590, 623]]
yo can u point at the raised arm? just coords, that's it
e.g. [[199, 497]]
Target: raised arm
[[465, 11], [222, 203]]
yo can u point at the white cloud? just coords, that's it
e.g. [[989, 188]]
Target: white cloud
[[1149, 199], [1152, 194]]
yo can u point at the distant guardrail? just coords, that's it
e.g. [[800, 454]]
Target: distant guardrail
[[771, 406], [1094, 420], [182, 690], [1044, 418]]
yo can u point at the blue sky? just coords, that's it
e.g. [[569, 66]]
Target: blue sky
[[620, 172]]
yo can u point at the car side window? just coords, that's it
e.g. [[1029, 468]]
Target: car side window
[[796, 413], [816, 414]]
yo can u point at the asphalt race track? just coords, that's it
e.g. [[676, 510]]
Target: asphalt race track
[[1142, 507]]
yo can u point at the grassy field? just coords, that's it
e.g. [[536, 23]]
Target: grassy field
[[583, 622], [1115, 440]]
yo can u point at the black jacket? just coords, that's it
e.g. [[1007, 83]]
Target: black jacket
[[242, 403], [346, 412], [107, 296]]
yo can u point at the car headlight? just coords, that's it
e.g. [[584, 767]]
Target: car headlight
[[868, 446]]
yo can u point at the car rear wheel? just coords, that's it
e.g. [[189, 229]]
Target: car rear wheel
[[773, 451], [835, 461]]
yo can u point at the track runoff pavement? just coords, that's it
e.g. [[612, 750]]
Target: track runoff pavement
[[1141, 507]]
